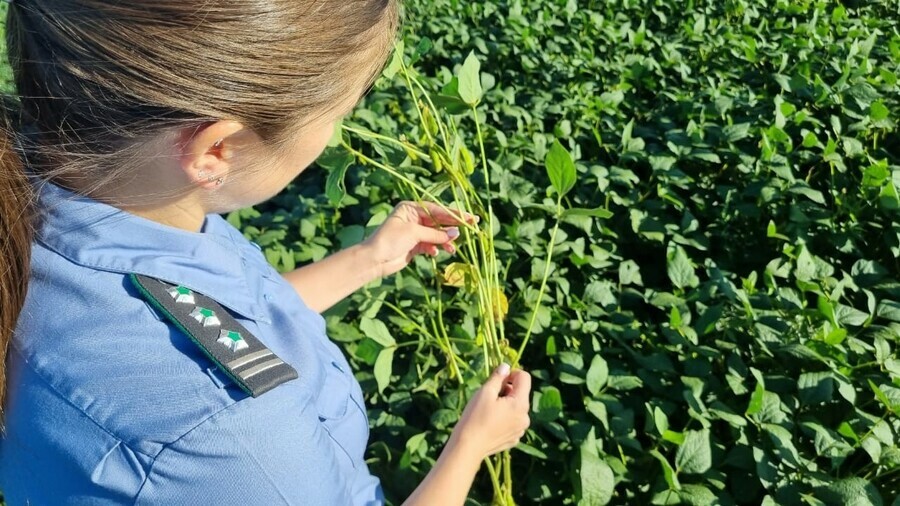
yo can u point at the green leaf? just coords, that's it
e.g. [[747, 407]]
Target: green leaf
[[847, 431], [815, 387], [444, 418], [696, 495], [873, 447], [630, 273], [598, 212], [772, 232], [810, 140], [383, 367], [422, 48], [694, 456], [669, 474], [660, 420], [560, 168], [891, 404], [836, 337], [598, 409], [597, 375], [395, 63], [550, 404], [734, 133], [597, 478], [878, 111], [530, 450], [827, 309], [336, 162], [367, 351], [377, 331], [673, 437], [624, 383], [889, 310], [875, 175], [680, 270], [721, 411], [451, 103], [850, 316], [756, 400], [417, 443], [782, 440], [889, 198], [470, 89], [851, 492]]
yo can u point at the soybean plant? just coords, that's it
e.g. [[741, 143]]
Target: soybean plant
[[439, 142]]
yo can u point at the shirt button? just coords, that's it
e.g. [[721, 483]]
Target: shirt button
[[268, 297]]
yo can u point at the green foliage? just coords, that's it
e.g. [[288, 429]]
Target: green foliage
[[721, 320], [6, 77]]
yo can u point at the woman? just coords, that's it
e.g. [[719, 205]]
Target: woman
[[154, 356]]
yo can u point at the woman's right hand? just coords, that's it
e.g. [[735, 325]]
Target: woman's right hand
[[496, 417]]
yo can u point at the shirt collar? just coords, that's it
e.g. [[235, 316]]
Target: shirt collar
[[97, 235]]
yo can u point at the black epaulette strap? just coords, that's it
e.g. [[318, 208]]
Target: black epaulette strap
[[255, 368]]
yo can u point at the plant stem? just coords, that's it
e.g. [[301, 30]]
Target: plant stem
[[372, 135], [495, 479], [507, 477], [492, 258], [540, 299], [477, 251], [432, 197], [410, 79], [454, 369]]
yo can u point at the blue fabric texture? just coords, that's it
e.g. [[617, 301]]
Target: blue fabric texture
[[110, 404]]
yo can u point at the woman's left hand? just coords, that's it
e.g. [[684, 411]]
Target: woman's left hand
[[412, 229]]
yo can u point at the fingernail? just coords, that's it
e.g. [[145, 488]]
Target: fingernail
[[453, 232], [504, 369]]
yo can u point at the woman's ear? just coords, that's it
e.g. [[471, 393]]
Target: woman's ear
[[206, 153]]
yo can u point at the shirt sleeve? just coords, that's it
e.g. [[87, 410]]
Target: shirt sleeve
[[254, 452]]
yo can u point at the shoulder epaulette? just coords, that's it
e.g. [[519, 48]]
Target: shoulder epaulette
[[237, 352]]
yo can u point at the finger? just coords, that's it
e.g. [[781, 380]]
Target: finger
[[494, 384], [449, 248], [507, 388], [436, 236], [519, 385], [425, 249], [432, 214]]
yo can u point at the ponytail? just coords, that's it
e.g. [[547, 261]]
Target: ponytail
[[15, 241]]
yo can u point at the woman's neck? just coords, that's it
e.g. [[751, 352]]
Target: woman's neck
[[156, 201]]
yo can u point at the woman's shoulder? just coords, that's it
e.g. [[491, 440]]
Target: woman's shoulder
[[93, 339]]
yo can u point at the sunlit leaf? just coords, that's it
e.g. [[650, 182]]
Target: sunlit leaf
[[560, 168], [470, 89]]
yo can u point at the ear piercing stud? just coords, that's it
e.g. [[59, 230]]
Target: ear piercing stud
[[209, 179]]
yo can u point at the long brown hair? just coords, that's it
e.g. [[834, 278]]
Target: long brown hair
[[98, 79]]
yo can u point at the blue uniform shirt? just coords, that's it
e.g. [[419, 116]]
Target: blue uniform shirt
[[110, 404]]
